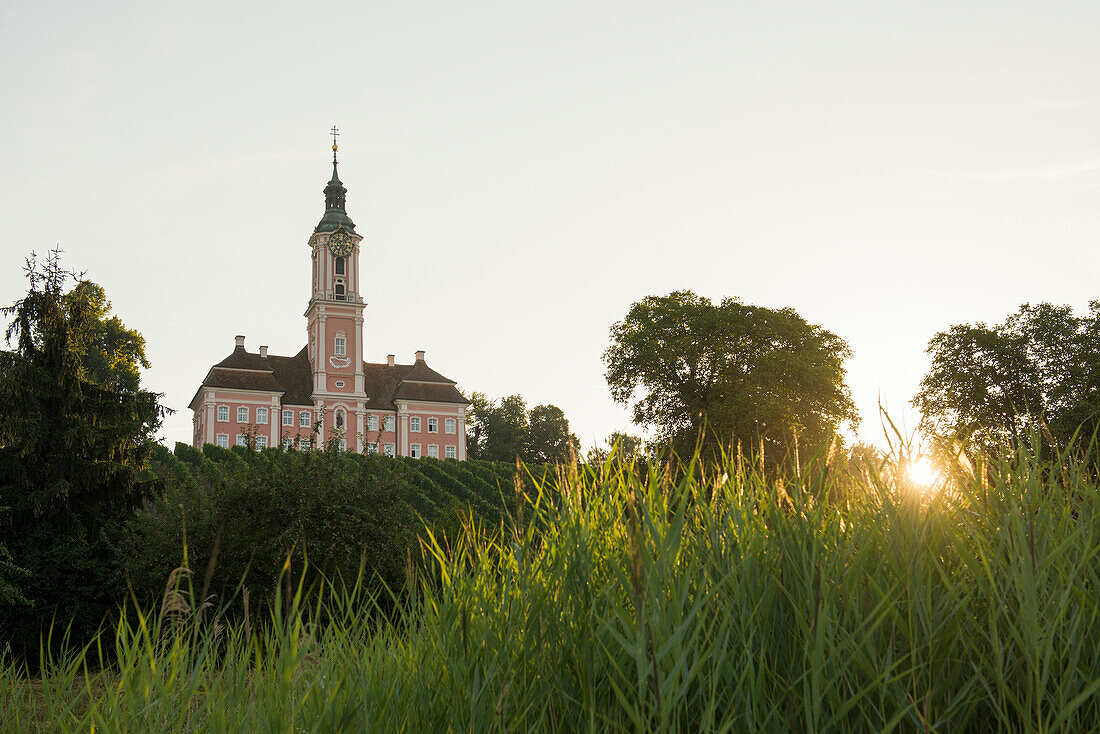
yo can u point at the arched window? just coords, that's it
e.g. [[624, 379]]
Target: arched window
[[340, 292], [339, 266]]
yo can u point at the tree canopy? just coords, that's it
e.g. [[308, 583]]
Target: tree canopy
[[728, 373], [1036, 372], [75, 432], [109, 354], [505, 430]]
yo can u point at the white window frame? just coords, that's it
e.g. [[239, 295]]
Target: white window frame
[[372, 448], [414, 424], [450, 425], [340, 346], [414, 450], [433, 425], [390, 423], [261, 416], [390, 449], [222, 439], [305, 444], [372, 423], [303, 419], [288, 417], [451, 452], [287, 443], [242, 440], [245, 414], [343, 444], [223, 414], [261, 442], [433, 451]]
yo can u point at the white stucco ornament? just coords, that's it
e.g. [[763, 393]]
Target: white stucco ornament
[[339, 361]]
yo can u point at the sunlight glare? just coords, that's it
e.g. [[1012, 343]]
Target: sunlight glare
[[922, 472]]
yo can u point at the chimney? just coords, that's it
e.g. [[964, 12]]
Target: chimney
[[240, 341], [419, 355], [263, 352], [389, 359]]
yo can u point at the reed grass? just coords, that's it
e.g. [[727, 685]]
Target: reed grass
[[631, 600]]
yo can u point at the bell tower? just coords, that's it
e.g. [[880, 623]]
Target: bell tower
[[335, 317]]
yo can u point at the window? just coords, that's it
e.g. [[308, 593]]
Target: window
[[340, 292], [339, 383], [451, 452], [242, 440], [433, 425], [242, 415], [288, 443], [341, 346], [223, 440], [390, 450], [389, 423], [261, 442], [433, 451], [304, 444], [414, 424], [372, 448], [343, 445], [288, 417], [372, 423], [339, 266], [303, 419], [449, 425], [223, 413], [414, 451], [261, 415]]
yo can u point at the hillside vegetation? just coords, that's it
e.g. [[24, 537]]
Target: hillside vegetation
[[635, 601]]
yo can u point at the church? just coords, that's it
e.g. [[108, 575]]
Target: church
[[327, 392]]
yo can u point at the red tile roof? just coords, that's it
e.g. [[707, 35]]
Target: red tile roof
[[292, 376]]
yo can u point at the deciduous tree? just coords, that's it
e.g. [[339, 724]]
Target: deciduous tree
[[728, 374], [505, 430], [548, 436], [1038, 372]]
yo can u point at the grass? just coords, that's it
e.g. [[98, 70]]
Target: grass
[[630, 601]]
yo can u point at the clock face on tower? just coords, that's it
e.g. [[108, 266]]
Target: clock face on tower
[[340, 243]]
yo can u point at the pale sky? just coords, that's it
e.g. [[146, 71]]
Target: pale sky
[[523, 172]]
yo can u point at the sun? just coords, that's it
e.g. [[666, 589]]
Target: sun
[[922, 472]]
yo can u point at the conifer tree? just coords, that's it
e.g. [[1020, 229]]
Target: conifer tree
[[71, 454]]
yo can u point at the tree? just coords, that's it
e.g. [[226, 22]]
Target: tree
[[109, 354], [505, 430], [1038, 372], [71, 449], [625, 445], [548, 436], [728, 374], [498, 430]]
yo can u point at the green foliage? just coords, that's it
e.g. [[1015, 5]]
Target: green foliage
[[990, 386], [728, 374], [71, 454], [110, 354], [505, 431], [623, 446], [548, 437], [718, 603], [343, 513]]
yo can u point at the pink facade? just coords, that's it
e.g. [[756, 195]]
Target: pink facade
[[327, 391]]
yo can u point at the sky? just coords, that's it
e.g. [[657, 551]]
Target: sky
[[522, 172]]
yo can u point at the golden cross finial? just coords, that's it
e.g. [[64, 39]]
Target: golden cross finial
[[335, 133]]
